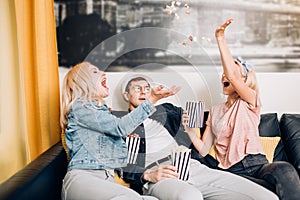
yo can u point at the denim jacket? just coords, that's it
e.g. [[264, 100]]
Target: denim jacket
[[94, 135]]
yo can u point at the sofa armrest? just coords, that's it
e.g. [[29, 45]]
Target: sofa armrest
[[40, 179], [290, 134]]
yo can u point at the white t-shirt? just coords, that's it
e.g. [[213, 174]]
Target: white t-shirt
[[159, 141]]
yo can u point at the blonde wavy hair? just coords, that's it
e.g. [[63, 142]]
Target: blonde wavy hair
[[77, 83]]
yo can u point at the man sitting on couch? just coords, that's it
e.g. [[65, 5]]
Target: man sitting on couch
[[153, 172]]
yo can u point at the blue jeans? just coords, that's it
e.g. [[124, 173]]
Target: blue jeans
[[280, 177]]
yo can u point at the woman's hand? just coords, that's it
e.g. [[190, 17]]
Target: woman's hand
[[195, 137], [160, 92], [221, 29], [185, 120]]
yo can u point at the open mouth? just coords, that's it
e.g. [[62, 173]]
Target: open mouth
[[142, 98], [226, 84], [103, 83]]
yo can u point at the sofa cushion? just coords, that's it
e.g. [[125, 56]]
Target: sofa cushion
[[269, 144], [269, 125], [290, 135]]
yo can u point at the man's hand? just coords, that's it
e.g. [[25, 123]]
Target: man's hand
[[160, 173], [133, 135], [160, 92]]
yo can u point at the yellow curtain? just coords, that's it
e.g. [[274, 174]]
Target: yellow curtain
[[30, 111]]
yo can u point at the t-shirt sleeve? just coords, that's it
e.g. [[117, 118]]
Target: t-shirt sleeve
[[258, 104]]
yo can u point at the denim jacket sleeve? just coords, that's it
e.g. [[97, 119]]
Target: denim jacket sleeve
[[102, 120]]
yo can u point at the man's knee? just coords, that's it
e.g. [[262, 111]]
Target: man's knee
[[188, 194], [175, 189]]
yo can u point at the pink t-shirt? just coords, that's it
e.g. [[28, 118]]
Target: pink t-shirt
[[236, 131]]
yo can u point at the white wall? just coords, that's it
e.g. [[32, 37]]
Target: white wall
[[279, 92]]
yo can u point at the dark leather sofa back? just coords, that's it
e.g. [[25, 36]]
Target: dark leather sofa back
[[39, 180]]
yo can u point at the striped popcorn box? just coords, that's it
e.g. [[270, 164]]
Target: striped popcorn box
[[133, 144], [195, 110], [181, 160]]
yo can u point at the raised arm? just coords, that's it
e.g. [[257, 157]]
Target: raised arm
[[231, 68]]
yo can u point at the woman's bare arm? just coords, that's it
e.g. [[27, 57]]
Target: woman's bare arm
[[230, 68]]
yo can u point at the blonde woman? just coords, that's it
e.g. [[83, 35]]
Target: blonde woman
[[233, 128], [92, 136]]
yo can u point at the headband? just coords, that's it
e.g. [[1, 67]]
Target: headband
[[247, 66]]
